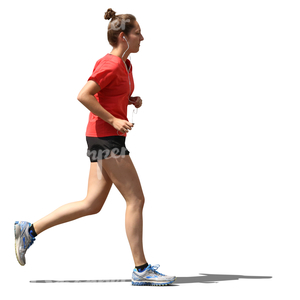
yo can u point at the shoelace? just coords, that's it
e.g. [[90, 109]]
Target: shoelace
[[30, 240], [154, 268]]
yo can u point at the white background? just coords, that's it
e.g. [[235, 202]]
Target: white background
[[216, 145]]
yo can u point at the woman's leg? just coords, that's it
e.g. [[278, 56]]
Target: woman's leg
[[123, 174], [98, 189]]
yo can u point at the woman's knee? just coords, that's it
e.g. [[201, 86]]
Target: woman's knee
[[93, 210], [91, 207], [137, 202]]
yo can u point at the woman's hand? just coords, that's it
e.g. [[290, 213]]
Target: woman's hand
[[122, 125], [136, 101]]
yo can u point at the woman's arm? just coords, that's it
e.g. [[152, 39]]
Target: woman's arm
[[87, 98]]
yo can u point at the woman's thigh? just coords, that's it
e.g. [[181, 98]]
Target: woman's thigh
[[99, 185], [123, 174]]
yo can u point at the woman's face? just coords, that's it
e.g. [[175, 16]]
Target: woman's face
[[135, 37]]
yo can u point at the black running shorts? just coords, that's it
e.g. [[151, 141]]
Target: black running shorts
[[102, 147]]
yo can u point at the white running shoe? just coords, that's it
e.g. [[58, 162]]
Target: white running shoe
[[23, 240], [151, 277]]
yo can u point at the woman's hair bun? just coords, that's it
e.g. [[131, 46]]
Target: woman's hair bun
[[110, 14]]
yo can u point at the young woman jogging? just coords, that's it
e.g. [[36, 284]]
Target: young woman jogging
[[107, 94]]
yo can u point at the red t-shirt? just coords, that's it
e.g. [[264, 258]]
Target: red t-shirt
[[111, 74]]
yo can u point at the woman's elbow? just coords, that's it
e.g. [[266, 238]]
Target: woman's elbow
[[88, 91], [80, 97]]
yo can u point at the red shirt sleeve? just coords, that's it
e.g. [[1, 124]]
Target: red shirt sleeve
[[103, 74]]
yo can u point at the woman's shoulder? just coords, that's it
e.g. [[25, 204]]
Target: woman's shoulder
[[107, 62]]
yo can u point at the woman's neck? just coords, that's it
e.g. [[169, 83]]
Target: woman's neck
[[119, 53]]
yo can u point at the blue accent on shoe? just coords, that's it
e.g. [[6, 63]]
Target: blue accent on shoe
[[154, 268], [23, 240], [150, 277], [152, 283]]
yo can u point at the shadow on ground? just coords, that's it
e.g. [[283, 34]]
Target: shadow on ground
[[214, 278], [204, 278]]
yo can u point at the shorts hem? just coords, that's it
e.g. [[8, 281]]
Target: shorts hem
[[107, 157]]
